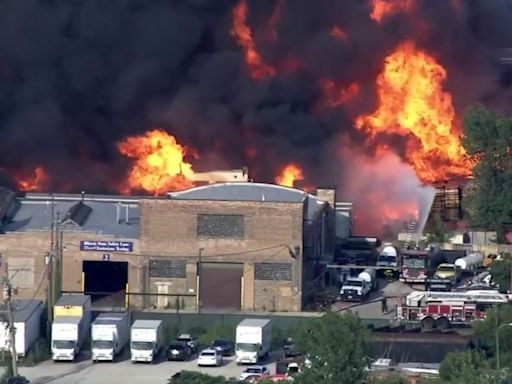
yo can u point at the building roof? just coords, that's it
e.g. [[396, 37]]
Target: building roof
[[94, 214], [240, 191]]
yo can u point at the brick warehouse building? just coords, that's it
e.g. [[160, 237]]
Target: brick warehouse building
[[243, 246]]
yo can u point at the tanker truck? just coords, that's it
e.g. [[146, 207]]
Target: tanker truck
[[358, 288], [470, 262]]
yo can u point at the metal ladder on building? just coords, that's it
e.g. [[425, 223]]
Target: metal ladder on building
[[412, 225]]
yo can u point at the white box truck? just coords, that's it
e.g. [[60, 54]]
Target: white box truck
[[110, 333], [147, 338], [253, 340], [68, 336], [27, 319]]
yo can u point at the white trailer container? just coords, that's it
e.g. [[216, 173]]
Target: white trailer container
[[146, 340], [253, 340], [470, 262], [110, 333], [27, 320], [68, 336]]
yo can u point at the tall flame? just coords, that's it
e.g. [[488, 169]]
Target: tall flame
[[385, 8], [159, 165], [289, 174], [241, 31], [32, 183], [412, 104]]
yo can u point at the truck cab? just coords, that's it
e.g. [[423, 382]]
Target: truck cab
[[355, 289], [448, 271], [67, 335]]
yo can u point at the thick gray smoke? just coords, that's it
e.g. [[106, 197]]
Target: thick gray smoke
[[77, 76]]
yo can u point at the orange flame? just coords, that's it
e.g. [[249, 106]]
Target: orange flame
[[257, 68], [159, 166], [274, 20], [34, 183], [289, 174], [385, 8], [335, 95], [413, 104], [339, 33]]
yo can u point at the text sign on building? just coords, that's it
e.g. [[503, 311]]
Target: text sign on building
[[106, 246]]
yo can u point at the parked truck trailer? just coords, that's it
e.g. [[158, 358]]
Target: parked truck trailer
[[147, 339], [68, 336], [253, 340], [110, 333], [27, 320]]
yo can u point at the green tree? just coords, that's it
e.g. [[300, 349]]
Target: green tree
[[465, 367], [500, 272], [488, 141], [486, 330], [336, 349]]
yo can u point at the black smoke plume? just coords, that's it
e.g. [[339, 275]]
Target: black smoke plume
[[78, 76]]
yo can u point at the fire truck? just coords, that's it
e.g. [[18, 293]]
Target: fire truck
[[442, 309], [414, 266]]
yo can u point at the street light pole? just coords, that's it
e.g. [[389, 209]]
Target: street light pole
[[199, 278], [7, 292], [498, 344]]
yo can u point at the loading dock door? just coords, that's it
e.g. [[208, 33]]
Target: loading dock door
[[221, 286]]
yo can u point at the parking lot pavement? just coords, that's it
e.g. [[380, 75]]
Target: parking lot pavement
[[125, 372], [371, 308]]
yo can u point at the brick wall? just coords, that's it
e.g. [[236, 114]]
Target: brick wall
[[170, 228]]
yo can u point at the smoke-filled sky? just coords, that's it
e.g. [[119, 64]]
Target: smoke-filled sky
[[78, 76]]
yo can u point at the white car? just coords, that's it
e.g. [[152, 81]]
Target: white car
[[209, 357], [254, 370]]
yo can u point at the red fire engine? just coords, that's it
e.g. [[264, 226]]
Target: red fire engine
[[414, 266], [441, 309]]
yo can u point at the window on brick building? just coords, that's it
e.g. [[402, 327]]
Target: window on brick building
[[273, 271], [210, 225], [168, 268]]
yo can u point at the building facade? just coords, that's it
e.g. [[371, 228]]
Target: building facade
[[229, 246]]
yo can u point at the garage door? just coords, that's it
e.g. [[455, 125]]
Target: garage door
[[221, 286]]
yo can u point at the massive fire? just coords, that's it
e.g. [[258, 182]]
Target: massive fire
[[159, 163], [289, 174], [35, 182], [384, 8], [412, 104], [241, 31]]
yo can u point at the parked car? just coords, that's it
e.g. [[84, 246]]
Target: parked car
[[209, 357], [289, 348], [224, 346], [178, 350], [190, 340], [18, 380], [255, 370]]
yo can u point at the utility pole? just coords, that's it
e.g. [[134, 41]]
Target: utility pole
[[199, 276], [7, 291]]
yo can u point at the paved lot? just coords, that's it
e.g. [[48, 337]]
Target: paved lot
[[124, 372]]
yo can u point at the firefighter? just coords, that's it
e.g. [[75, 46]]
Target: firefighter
[[384, 305]]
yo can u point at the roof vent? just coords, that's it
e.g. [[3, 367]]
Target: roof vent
[[77, 214]]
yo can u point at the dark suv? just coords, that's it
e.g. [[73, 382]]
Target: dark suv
[[178, 350]]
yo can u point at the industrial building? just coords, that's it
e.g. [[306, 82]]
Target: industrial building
[[224, 246]]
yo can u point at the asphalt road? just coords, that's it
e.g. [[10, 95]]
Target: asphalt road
[[125, 372]]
